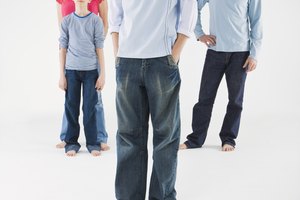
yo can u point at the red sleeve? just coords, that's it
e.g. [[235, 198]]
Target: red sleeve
[[100, 1], [59, 1]]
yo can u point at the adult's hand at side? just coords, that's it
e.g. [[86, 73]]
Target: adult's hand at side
[[208, 40], [250, 64]]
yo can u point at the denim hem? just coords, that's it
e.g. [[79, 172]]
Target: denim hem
[[229, 143], [72, 147], [191, 146], [91, 148], [102, 140]]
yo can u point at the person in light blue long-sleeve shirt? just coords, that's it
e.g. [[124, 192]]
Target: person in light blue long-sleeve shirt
[[234, 43], [148, 37]]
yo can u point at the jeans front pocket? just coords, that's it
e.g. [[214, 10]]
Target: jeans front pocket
[[171, 62]]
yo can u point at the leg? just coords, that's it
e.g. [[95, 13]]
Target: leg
[[64, 126], [90, 99], [212, 74], [101, 131], [72, 104], [132, 135], [235, 78], [162, 81]]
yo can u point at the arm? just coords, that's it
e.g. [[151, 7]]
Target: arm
[[101, 79], [208, 40], [188, 15], [115, 40], [103, 14], [59, 14], [255, 34], [115, 21], [63, 46], [99, 43], [178, 46], [62, 77]]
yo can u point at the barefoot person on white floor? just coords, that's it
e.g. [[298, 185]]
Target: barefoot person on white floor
[[99, 7], [81, 54], [234, 43]]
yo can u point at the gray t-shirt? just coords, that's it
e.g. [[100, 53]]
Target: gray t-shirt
[[81, 36]]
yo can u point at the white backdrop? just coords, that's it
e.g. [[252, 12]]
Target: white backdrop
[[266, 167]]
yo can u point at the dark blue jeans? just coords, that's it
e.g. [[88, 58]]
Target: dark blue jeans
[[216, 65], [147, 87], [101, 130], [76, 80]]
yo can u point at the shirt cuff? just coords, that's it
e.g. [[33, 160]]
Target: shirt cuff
[[198, 34], [187, 33], [253, 57], [114, 29], [99, 45]]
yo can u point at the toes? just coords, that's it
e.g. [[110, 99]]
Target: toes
[[60, 145], [227, 147], [71, 153], [96, 153], [182, 146], [104, 147]]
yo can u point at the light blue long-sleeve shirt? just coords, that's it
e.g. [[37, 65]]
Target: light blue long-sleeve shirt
[[148, 28], [235, 23], [81, 36]]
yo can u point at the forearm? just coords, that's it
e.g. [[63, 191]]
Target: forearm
[[105, 26], [62, 60], [103, 14], [115, 40], [101, 61], [179, 44], [59, 14]]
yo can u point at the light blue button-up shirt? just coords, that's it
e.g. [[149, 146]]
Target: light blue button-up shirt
[[235, 23], [148, 28]]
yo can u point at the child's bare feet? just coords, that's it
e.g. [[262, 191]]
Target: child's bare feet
[[183, 146], [96, 153], [104, 147], [227, 147], [61, 145], [71, 153]]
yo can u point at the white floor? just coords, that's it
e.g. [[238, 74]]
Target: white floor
[[265, 165]]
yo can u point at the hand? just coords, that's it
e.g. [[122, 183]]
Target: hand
[[62, 82], [208, 40], [250, 64], [176, 57], [100, 82]]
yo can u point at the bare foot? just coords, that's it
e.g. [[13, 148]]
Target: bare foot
[[61, 145], [96, 153], [227, 147], [183, 146], [104, 147], [71, 153]]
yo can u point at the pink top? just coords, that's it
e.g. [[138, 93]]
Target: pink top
[[68, 6]]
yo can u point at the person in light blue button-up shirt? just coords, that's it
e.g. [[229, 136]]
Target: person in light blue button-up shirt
[[148, 37], [234, 43]]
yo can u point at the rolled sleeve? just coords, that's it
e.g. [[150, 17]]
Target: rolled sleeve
[[99, 34], [64, 34], [115, 16], [256, 32], [188, 17], [198, 29]]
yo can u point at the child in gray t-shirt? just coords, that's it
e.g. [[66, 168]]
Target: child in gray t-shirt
[[81, 54]]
